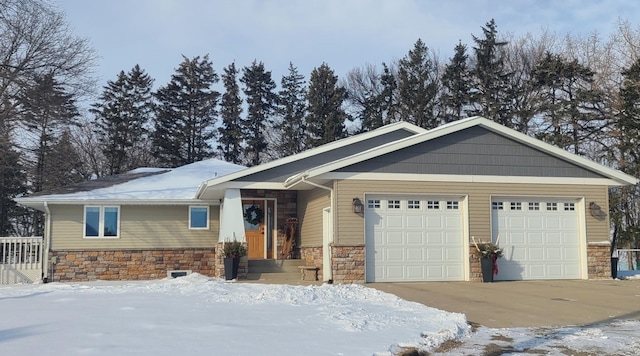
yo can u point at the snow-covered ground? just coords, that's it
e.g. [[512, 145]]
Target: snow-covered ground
[[197, 315]]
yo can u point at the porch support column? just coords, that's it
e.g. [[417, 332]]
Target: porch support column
[[231, 219]]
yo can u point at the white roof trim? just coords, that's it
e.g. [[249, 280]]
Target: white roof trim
[[619, 177], [311, 152], [33, 201]]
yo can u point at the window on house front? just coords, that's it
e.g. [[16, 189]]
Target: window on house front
[[534, 206], [393, 204], [199, 217], [516, 205], [101, 221], [373, 204], [497, 205], [452, 205], [552, 206]]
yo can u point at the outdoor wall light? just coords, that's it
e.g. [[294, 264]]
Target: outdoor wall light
[[358, 207]]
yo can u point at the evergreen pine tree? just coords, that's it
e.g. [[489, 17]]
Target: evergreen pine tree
[[12, 181], [292, 106], [186, 114], [567, 102], [261, 98], [491, 95], [456, 83], [122, 112], [47, 109], [326, 117], [230, 142], [418, 87], [388, 96], [624, 201]]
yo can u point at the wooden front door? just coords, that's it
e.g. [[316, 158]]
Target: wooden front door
[[254, 230]]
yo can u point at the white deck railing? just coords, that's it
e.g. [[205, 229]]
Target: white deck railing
[[21, 259]]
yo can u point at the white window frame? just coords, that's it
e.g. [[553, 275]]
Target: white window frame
[[101, 222], [208, 217]]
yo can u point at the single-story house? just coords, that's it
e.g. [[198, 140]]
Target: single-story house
[[395, 204]]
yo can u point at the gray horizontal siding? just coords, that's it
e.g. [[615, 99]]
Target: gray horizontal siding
[[473, 151], [281, 173]]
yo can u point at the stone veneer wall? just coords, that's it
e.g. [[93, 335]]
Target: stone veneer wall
[[599, 261], [88, 265], [312, 256], [348, 263], [76, 266], [475, 273]]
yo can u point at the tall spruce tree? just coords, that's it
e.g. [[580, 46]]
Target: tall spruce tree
[[47, 110], [388, 97], [456, 85], [261, 98], [186, 114], [230, 141], [292, 108], [12, 181], [567, 102], [418, 87], [326, 117], [491, 95], [625, 201], [122, 113]]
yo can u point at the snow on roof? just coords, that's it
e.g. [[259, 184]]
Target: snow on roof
[[175, 184]]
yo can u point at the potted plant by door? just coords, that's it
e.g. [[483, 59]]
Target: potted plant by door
[[488, 252], [232, 252]]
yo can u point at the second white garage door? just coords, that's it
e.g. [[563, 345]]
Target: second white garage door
[[540, 238], [413, 238]]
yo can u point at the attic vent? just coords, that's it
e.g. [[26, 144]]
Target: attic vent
[[178, 273]]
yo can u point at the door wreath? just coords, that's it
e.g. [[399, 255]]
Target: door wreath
[[253, 214]]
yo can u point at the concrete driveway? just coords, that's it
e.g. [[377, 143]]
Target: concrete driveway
[[527, 303]]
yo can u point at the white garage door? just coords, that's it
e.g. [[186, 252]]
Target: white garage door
[[413, 238], [540, 238]]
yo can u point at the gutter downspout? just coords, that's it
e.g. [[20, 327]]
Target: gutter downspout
[[331, 237], [47, 243]]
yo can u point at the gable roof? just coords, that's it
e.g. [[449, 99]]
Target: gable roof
[[140, 186], [616, 177], [272, 174]]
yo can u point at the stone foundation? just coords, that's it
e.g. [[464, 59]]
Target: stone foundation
[[312, 256], [348, 263], [599, 261], [475, 273], [76, 266]]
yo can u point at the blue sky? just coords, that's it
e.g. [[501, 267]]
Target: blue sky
[[343, 33]]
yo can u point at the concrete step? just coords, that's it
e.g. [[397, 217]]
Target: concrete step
[[275, 266], [278, 276]]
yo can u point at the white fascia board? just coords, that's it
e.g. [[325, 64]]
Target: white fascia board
[[33, 202], [619, 177], [311, 152], [465, 178]]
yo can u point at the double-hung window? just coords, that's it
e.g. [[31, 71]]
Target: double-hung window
[[101, 221], [198, 217]]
